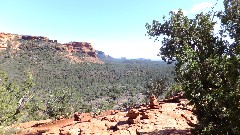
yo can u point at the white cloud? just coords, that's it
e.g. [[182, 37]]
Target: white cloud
[[134, 48], [200, 7]]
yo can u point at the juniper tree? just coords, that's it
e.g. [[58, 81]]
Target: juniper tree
[[207, 64]]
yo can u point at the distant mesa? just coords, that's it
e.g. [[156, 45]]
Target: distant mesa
[[5, 38], [100, 52], [37, 38], [84, 48], [143, 59], [102, 56], [123, 58]]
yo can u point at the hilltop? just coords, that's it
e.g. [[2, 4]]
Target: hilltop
[[83, 49]]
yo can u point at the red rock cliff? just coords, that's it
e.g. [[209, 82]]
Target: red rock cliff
[[81, 47], [7, 39]]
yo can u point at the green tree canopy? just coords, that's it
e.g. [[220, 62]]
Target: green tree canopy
[[208, 65]]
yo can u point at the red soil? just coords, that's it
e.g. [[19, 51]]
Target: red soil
[[163, 117]]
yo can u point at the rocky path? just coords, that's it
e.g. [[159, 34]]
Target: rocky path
[[162, 117]]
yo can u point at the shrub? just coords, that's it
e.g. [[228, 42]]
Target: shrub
[[13, 98]]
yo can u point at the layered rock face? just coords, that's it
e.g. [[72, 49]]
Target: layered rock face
[[7, 38], [81, 47], [154, 118], [14, 42]]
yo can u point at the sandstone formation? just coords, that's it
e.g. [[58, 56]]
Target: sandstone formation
[[13, 39], [6, 39], [170, 118], [83, 48], [39, 38]]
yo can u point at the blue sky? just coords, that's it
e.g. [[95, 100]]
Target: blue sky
[[116, 27]]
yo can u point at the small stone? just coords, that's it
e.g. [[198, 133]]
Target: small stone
[[133, 114], [82, 117], [134, 121]]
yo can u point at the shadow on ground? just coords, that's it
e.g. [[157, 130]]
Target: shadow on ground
[[167, 132]]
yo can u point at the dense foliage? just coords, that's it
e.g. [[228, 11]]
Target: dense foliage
[[63, 87], [208, 64], [13, 98]]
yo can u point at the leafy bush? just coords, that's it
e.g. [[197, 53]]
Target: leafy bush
[[9, 131], [13, 99], [174, 89], [157, 87], [58, 103]]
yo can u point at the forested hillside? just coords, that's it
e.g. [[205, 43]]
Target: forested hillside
[[62, 86]]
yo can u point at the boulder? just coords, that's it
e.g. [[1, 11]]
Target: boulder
[[82, 117]]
